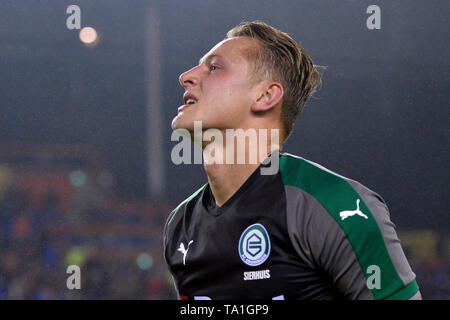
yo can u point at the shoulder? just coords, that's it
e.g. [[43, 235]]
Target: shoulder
[[311, 176], [333, 191], [178, 212], [351, 206], [323, 205], [192, 198]]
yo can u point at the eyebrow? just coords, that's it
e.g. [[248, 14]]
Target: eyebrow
[[209, 58]]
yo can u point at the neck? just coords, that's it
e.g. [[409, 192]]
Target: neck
[[228, 171], [225, 180]]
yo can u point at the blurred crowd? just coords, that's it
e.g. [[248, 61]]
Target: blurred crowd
[[118, 246], [116, 243]]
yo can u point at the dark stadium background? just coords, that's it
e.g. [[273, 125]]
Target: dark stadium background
[[86, 176]]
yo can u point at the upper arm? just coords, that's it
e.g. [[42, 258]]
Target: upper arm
[[397, 277]]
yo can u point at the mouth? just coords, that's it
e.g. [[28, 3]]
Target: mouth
[[189, 100]]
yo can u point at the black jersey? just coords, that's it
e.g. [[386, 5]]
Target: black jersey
[[302, 233]]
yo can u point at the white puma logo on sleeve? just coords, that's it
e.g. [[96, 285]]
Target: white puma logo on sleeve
[[348, 213]]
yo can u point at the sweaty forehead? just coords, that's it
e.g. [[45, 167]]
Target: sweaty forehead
[[234, 50]]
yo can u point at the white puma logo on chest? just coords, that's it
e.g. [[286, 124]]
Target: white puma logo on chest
[[184, 250]]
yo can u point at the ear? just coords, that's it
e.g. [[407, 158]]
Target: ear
[[269, 94]]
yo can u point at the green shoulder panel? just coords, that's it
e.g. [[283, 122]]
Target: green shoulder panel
[[348, 209]]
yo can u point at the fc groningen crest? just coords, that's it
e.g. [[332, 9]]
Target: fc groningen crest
[[254, 245]]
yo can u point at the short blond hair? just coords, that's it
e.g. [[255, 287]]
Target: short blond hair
[[282, 59]]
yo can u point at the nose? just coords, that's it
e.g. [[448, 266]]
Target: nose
[[188, 78]]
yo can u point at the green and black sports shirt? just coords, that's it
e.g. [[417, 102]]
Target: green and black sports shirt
[[302, 233]]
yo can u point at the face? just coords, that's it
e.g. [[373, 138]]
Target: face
[[219, 87]]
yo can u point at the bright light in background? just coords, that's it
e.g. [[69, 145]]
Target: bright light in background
[[76, 256], [77, 178], [144, 261], [89, 36]]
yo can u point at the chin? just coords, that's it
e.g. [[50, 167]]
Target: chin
[[179, 123], [174, 124]]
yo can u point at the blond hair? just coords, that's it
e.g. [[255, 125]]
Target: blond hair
[[280, 58]]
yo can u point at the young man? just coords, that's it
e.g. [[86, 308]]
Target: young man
[[300, 232]]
